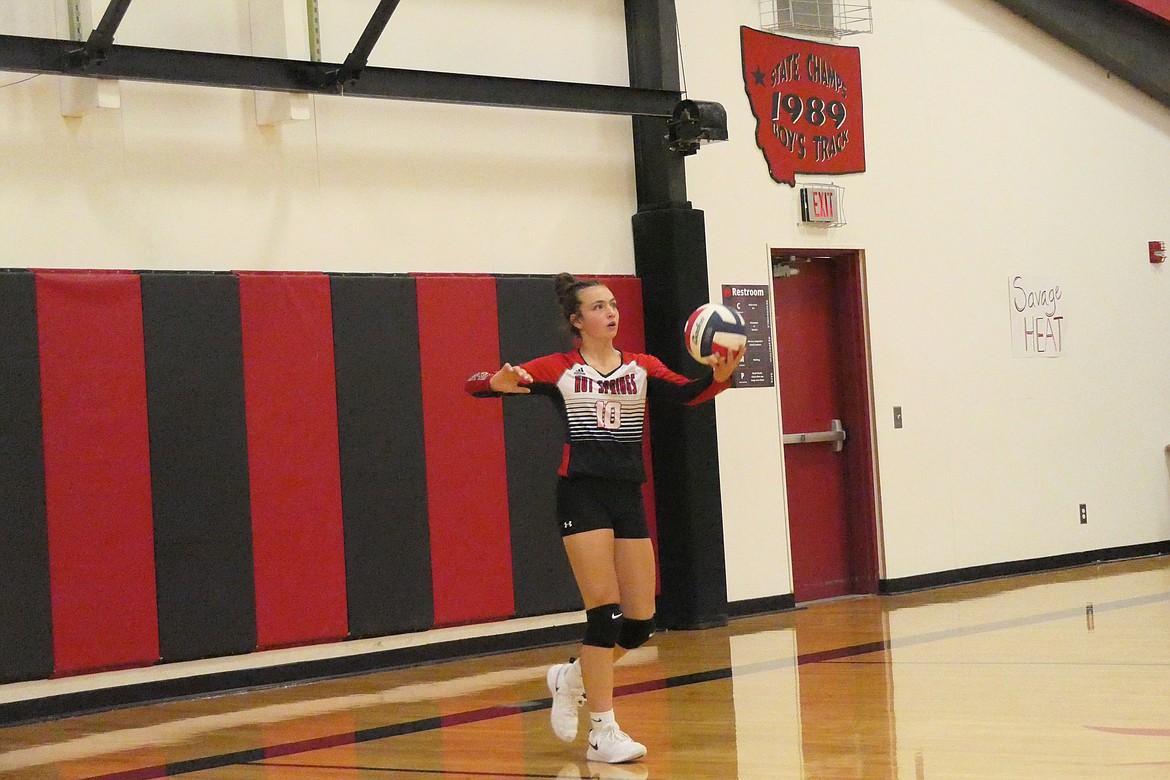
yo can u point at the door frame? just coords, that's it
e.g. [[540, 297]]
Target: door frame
[[862, 489]]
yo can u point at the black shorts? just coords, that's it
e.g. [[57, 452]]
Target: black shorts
[[591, 503]]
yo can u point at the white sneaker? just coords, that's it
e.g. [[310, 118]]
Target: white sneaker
[[566, 699], [611, 745]]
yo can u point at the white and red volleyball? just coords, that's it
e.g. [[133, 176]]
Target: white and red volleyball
[[714, 329]]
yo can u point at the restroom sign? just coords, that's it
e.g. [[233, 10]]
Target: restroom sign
[[1037, 312], [751, 301]]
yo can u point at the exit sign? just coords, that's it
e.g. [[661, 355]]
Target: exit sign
[[821, 205]]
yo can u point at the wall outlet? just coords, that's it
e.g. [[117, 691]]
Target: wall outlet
[[1084, 514]]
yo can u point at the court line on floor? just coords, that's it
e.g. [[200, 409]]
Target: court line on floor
[[411, 770], [968, 662], [257, 755]]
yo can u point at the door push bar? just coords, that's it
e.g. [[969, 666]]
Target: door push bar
[[835, 434]]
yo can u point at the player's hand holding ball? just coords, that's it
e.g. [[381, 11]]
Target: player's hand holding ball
[[510, 379], [724, 365]]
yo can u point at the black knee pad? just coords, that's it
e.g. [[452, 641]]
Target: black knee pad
[[635, 633], [603, 625]]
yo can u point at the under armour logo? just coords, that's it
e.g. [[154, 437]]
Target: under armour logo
[[567, 524]]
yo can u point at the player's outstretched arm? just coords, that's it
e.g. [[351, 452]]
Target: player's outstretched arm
[[509, 380]]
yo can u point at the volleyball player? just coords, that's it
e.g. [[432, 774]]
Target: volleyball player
[[601, 393]]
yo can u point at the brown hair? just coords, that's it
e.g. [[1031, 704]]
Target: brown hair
[[569, 288]]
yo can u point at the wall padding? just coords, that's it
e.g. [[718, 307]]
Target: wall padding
[[291, 403], [26, 626], [97, 470], [467, 484], [531, 325], [202, 464], [382, 455], [199, 463]]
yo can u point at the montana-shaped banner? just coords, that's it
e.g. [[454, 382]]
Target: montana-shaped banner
[[806, 98]]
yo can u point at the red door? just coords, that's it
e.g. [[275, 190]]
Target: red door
[[820, 342]]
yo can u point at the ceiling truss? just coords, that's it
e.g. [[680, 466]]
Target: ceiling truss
[[100, 57], [1119, 36]]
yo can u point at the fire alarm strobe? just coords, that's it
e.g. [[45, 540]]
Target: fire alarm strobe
[[1157, 251]]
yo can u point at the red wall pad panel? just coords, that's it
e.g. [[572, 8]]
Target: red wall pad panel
[[291, 403], [467, 484], [97, 470]]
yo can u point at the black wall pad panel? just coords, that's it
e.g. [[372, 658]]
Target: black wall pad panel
[[383, 458], [26, 629], [531, 325], [670, 252], [199, 465]]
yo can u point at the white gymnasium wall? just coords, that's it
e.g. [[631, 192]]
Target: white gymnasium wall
[[182, 177], [992, 151]]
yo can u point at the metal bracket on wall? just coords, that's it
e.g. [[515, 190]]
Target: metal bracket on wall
[[93, 52], [350, 71]]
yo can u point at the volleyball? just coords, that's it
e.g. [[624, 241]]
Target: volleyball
[[714, 329]]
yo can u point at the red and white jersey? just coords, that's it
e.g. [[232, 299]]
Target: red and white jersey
[[605, 414]]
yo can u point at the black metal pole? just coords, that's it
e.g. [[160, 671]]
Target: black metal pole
[[670, 257], [103, 35], [652, 49]]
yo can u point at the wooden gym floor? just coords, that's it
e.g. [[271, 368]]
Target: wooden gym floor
[[1058, 675]]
